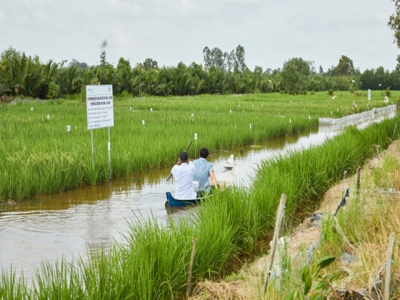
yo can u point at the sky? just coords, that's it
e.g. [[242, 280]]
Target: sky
[[173, 31]]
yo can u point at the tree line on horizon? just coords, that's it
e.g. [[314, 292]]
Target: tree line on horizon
[[221, 73]]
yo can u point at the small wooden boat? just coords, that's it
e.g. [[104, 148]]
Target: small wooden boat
[[225, 171], [172, 202]]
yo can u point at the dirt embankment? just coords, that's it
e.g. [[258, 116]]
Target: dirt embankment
[[303, 240]]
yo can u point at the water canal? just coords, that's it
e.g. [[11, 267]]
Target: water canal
[[67, 225]]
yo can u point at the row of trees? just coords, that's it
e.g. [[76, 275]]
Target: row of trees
[[222, 73], [235, 60]]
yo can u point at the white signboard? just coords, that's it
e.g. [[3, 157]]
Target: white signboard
[[99, 106]]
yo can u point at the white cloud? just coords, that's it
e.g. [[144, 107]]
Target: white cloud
[[248, 1], [23, 20], [383, 16], [171, 31]]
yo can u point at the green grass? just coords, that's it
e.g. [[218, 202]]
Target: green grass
[[361, 231], [153, 261], [39, 156]]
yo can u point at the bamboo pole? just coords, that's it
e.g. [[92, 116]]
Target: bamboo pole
[[189, 285], [186, 150], [389, 254], [278, 223]]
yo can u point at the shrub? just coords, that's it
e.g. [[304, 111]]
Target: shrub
[[125, 94], [53, 91]]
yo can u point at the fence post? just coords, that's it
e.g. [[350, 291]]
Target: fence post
[[189, 285], [279, 217], [389, 254]]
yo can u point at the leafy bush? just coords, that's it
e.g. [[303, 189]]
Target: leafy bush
[[53, 91], [125, 94], [316, 286]]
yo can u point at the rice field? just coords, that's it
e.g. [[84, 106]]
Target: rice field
[[39, 155], [153, 261]]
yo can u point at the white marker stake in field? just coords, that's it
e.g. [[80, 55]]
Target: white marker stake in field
[[100, 112], [195, 150]]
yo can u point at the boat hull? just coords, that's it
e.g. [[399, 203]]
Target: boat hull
[[172, 202]]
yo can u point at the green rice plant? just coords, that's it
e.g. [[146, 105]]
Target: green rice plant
[[12, 287], [59, 280], [215, 233], [104, 276], [156, 259]]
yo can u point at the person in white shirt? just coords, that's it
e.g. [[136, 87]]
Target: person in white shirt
[[183, 173]]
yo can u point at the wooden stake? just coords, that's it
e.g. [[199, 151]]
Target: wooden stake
[[389, 254], [279, 217], [189, 285]]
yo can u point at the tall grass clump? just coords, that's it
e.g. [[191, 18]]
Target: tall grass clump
[[61, 281], [12, 287], [371, 235]]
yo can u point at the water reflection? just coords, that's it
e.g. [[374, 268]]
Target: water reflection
[[67, 224]]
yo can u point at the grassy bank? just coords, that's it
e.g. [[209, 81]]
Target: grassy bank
[[356, 243], [153, 261], [39, 156]]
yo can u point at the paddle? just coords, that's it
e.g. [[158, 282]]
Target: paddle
[[187, 148]]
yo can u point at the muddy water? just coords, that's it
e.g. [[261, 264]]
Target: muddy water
[[69, 224]]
